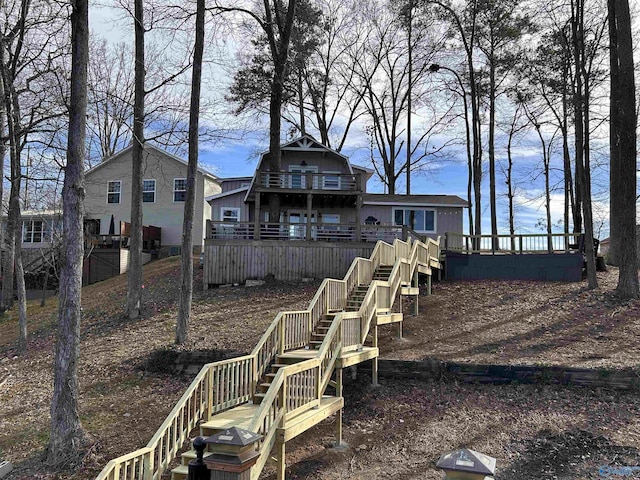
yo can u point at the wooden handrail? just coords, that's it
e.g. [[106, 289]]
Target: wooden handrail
[[209, 391]]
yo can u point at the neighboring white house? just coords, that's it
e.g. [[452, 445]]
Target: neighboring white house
[[108, 192]]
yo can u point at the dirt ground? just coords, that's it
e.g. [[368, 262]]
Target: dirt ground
[[396, 430]]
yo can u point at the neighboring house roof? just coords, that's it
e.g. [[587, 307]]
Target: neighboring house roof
[[149, 146], [225, 194], [417, 200], [234, 179]]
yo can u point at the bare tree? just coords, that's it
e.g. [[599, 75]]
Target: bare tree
[[186, 270], [110, 100], [384, 71], [29, 63], [465, 24], [67, 437], [501, 24]]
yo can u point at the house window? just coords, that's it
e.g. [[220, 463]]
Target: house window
[[331, 181], [420, 220], [34, 231], [179, 189], [299, 177], [148, 191], [230, 214], [330, 218], [114, 187]]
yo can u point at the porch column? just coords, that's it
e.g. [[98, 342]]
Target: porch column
[[309, 205], [358, 218], [256, 218]]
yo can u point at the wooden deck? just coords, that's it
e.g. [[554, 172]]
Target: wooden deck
[[278, 391]]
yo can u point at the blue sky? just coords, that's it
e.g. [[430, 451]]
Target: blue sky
[[239, 158]]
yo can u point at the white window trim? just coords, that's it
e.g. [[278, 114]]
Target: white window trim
[[324, 180], [235, 209], [435, 217], [119, 182], [175, 191], [154, 189], [45, 234], [303, 169]]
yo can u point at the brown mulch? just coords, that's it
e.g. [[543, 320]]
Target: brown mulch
[[395, 431]]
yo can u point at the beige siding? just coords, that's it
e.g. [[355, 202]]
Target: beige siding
[[235, 262], [164, 212]]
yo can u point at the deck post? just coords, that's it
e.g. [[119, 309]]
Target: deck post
[[429, 284], [339, 413], [374, 363], [309, 208], [359, 218], [282, 466], [256, 218]]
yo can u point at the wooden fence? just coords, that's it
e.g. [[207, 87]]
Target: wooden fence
[[236, 261]]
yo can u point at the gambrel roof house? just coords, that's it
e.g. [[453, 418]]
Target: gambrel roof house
[[321, 184], [108, 195]]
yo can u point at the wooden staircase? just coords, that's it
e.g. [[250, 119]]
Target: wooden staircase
[[278, 391]]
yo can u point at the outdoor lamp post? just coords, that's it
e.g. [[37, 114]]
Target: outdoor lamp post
[[467, 464], [233, 453]]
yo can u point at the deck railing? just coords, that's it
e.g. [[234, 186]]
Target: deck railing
[[309, 181], [319, 232], [223, 385], [512, 244]]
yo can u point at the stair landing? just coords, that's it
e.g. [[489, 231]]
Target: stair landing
[[242, 415], [346, 359]]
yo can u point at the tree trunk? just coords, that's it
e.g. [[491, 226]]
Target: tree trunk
[[492, 153], [510, 192], [67, 437], [614, 138], [279, 46], [12, 220], [623, 172], [22, 297], [186, 271], [3, 152], [582, 143], [134, 276]]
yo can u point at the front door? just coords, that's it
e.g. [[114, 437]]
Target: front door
[[298, 219]]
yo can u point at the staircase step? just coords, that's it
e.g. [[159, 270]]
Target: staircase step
[[189, 455], [258, 397], [264, 387], [180, 473], [315, 344], [277, 366]]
